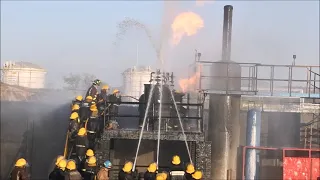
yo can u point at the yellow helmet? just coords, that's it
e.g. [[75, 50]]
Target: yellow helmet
[[115, 91], [176, 160], [127, 166], [160, 176], [82, 131], [21, 162], [59, 158], [105, 87], [190, 168], [79, 98], [74, 116], [62, 164], [71, 165], [93, 108], [89, 153], [152, 167], [92, 161], [75, 107], [197, 175], [165, 175], [89, 98]]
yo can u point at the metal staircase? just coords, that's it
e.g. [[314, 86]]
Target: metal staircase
[[310, 132]]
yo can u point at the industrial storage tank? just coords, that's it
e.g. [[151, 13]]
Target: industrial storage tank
[[134, 80], [23, 74]]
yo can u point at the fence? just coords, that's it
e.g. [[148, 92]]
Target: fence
[[260, 79]]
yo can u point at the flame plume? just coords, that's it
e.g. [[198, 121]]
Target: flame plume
[[185, 24]]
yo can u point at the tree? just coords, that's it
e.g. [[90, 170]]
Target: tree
[[78, 82], [72, 81]]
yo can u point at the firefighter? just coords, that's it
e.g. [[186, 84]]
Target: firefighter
[[189, 171], [126, 172], [177, 170], [197, 175], [93, 89], [103, 106], [81, 144], [78, 100], [73, 125], [161, 176], [82, 164], [92, 126], [85, 110], [20, 171], [103, 173], [142, 109], [150, 174], [71, 171], [115, 100], [59, 172], [75, 108], [90, 169]]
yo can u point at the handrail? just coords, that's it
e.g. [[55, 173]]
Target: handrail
[[65, 151]]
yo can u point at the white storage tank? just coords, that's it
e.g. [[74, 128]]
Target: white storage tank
[[23, 74], [134, 80]]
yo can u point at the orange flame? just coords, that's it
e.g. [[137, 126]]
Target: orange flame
[[185, 24], [189, 84]]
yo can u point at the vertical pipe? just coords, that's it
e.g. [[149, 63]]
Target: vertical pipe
[[227, 28], [252, 139]]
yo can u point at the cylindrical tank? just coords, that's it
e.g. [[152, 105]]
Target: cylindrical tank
[[224, 109], [23, 74], [134, 80], [253, 139]]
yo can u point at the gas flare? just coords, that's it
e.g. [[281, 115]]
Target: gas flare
[[185, 24], [189, 84]]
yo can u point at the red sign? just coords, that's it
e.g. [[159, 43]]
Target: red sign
[[296, 168], [315, 162]]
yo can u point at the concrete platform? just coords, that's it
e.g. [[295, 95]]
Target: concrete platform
[[152, 135]]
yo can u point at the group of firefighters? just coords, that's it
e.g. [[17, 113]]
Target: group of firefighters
[[87, 121], [89, 170]]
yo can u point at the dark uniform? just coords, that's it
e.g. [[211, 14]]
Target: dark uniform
[[90, 172], [115, 102], [92, 91], [92, 128], [84, 112], [73, 129], [57, 174], [82, 145], [19, 173], [125, 176], [149, 175]]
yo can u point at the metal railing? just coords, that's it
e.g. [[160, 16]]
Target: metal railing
[[192, 118], [258, 79]]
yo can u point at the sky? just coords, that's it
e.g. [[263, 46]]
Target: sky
[[78, 36]]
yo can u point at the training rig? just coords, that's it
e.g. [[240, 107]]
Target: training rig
[[122, 144]]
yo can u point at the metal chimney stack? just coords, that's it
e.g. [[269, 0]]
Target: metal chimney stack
[[227, 30]]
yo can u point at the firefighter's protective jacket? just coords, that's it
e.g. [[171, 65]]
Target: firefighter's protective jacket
[[149, 175], [92, 91], [57, 174], [125, 176], [82, 144], [103, 174], [73, 128], [89, 173], [73, 175], [20, 173]]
